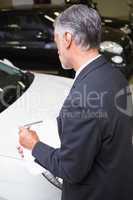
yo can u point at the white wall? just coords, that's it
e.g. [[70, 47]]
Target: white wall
[[57, 1], [22, 2], [116, 8], [4, 3]]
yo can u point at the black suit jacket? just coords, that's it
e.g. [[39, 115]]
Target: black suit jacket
[[95, 159]]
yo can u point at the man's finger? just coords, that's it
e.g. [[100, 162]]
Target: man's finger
[[23, 130]]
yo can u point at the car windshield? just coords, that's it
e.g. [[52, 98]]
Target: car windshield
[[13, 83], [8, 70]]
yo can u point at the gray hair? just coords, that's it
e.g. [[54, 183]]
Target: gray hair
[[83, 23]]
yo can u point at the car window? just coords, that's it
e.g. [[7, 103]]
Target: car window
[[13, 83], [23, 27], [7, 70], [18, 20], [25, 21], [3, 20], [30, 22]]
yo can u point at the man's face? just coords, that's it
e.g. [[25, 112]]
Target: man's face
[[62, 50]]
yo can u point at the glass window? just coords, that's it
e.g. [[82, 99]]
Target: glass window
[[8, 70], [13, 83], [3, 20], [25, 21]]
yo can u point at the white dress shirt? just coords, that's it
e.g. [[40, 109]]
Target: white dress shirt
[[84, 65]]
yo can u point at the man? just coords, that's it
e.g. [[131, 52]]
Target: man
[[96, 153]]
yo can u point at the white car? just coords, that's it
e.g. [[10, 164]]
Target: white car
[[25, 98]]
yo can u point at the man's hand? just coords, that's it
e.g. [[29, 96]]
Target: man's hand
[[28, 138]]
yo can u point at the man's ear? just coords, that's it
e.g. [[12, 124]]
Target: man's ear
[[67, 39]]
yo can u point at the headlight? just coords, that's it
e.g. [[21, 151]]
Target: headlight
[[111, 47], [126, 29], [117, 59]]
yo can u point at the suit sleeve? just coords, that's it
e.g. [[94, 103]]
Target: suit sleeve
[[80, 143]]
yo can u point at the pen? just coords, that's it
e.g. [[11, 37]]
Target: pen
[[33, 123]]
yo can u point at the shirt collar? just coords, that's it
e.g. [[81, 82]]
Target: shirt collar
[[84, 65]]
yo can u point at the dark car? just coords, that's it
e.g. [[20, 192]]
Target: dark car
[[126, 26], [26, 39]]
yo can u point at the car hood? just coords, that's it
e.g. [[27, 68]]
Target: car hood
[[42, 101]]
